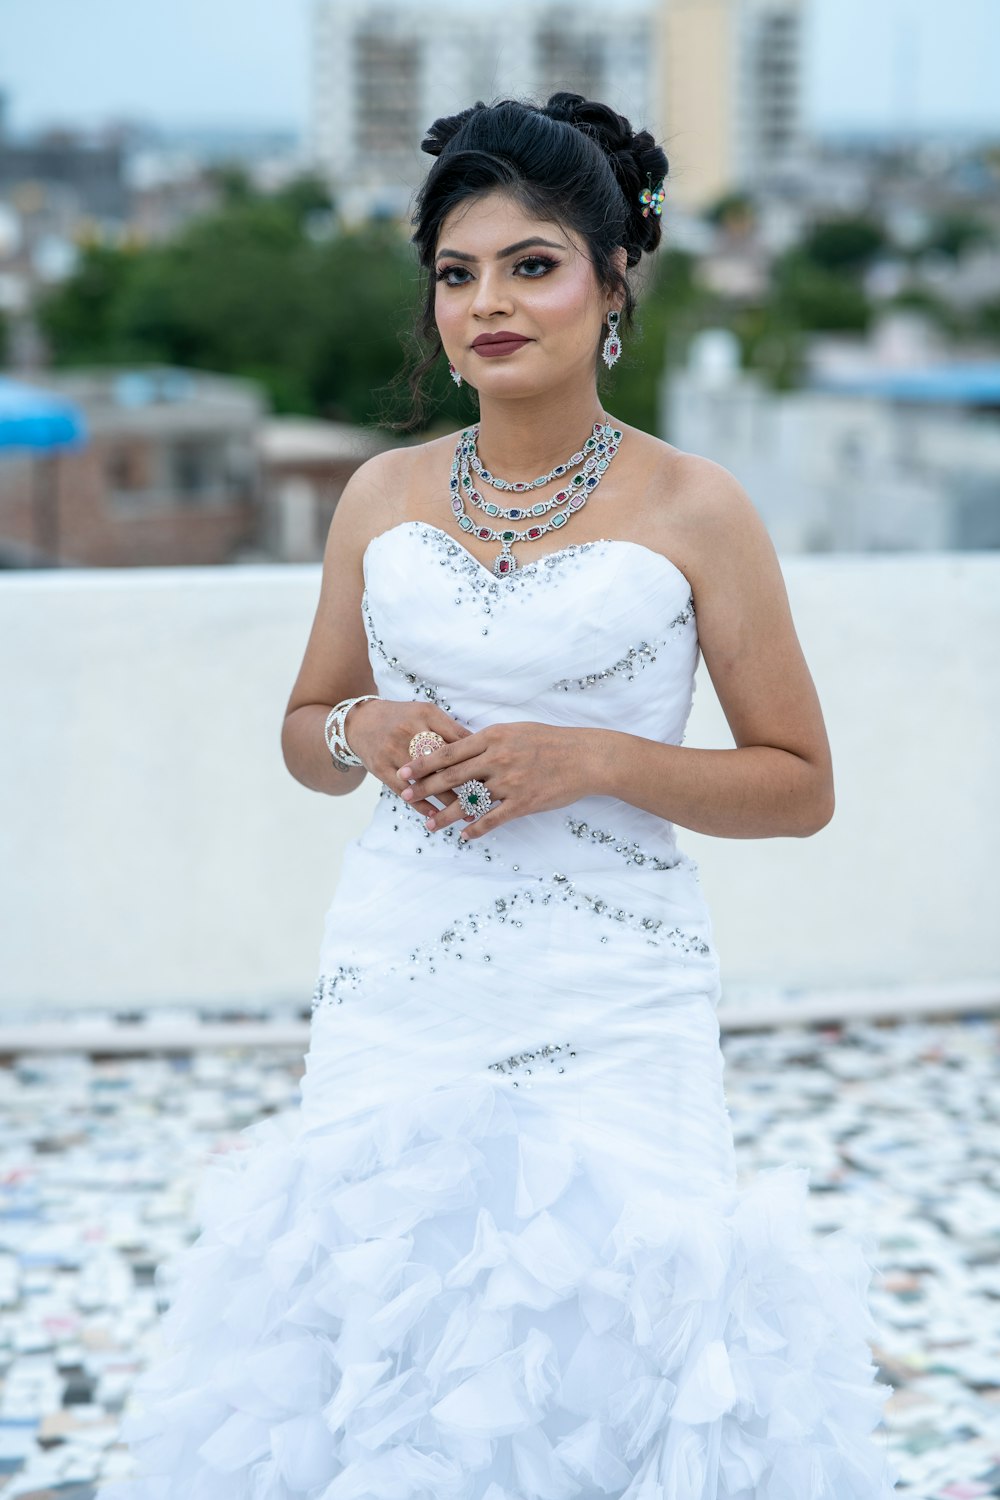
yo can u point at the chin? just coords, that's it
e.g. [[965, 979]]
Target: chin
[[512, 384]]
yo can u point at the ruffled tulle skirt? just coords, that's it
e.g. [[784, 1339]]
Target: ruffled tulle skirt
[[442, 1298], [499, 1251]]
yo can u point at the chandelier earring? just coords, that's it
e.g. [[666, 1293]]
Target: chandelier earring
[[612, 344], [456, 377]]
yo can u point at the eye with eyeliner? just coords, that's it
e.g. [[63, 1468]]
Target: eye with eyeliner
[[443, 272]]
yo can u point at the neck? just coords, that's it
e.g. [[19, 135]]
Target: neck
[[521, 438]]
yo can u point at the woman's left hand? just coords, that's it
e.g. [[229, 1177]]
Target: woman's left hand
[[527, 768]]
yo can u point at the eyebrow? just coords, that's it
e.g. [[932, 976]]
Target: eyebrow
[[501, 254]]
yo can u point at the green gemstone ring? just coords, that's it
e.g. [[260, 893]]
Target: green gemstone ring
[[475, 798]]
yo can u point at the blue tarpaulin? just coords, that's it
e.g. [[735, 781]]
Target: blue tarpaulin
[[33, 419], [40, 423], [967, 384]]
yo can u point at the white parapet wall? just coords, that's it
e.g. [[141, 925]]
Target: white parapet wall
[[154, 851]]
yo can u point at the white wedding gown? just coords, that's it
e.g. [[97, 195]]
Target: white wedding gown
[[498, 1251]]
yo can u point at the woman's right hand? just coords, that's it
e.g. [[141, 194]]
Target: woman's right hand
[[379, 731]]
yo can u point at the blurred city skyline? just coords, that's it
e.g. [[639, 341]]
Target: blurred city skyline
[[872, 66]]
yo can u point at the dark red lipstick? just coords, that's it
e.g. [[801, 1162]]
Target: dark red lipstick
[[493, 344]]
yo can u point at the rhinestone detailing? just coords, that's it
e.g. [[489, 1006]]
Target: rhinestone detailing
[[410, 822], [636, 657], [631, 853], [555, 1054], [654, 928], [421, 689], [503, 910], [329, 987], [478, 576], [506, 911]]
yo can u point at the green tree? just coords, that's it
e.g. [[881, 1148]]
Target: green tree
[[363, 294], [952, 234], [987, 320], [672, 308], [76, 318], [232, 181], [248, 290], [733, 211], [923, 300], [847, 244], [808, 295], [228, 295], [772, 343], [305, 195]]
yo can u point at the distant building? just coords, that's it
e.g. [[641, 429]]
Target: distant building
[[731, 89], [869, 458], [720, 81], [306, 465], [181, 468], [87, 178], [171, 474], [383, 71], [55, 189]]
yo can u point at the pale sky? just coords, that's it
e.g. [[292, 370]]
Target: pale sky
[[870, 63]]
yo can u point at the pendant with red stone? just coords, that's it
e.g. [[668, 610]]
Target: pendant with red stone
[[505, 563]]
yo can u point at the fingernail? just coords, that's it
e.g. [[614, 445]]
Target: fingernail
[[405, 771]]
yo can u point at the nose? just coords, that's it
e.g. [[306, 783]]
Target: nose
[[492, 293]]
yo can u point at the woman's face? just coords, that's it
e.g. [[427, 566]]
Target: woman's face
[[517, 301]]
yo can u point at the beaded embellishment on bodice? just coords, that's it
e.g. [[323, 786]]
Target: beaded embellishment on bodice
[[598, 632]]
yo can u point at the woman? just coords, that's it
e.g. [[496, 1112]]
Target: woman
[[500, 1250]]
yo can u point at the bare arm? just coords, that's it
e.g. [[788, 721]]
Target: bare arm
[[752, 792], [778, 781], [336, 664]]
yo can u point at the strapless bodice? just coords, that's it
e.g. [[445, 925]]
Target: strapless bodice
[[600, 632]]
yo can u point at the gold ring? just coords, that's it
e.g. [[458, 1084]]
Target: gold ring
[[425, 743]]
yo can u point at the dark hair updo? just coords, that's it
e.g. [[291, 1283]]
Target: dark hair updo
[[573, 161]]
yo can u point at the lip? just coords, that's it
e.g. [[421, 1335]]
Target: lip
[[492, 344]]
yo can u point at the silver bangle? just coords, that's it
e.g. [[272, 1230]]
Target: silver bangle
[[343, 756]]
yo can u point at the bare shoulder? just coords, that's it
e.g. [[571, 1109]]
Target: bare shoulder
[[373, 500], [701, 515], [365, 504], [380, 492], [698, 492]]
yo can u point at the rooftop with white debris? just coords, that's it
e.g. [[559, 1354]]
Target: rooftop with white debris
[[100, 1158]]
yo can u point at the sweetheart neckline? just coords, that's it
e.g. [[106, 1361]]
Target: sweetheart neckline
[[606, 541]]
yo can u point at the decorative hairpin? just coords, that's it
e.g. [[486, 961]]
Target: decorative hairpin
[[652, 199]]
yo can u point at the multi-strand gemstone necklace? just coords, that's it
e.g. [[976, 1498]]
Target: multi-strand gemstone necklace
[[595, 456]]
